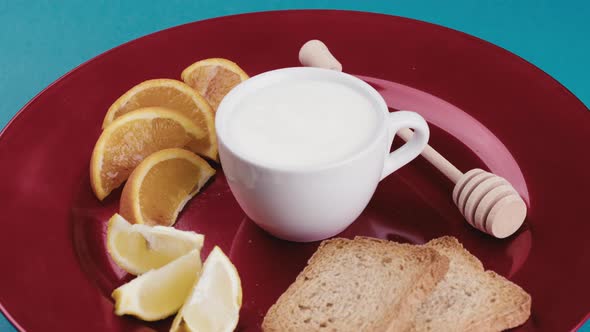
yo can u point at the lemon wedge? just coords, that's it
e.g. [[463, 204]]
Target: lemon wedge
[[159, 293], [139, 248], [215, 301]]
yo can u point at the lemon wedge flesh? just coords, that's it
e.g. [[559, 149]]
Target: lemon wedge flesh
[[139, 248], [159, 293], [215, 301]]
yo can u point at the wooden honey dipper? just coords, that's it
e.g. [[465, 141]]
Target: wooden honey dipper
[[488, 201]]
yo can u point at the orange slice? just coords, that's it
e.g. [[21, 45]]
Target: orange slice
[[174, 95], [213, 78], [131, 138], [161, 185]]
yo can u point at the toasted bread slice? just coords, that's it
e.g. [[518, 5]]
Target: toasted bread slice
[[358, 285], [470, 298]]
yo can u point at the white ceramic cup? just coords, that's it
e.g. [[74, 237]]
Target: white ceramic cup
[[316, 202]]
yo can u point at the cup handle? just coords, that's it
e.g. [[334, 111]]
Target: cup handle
[[411, 149]]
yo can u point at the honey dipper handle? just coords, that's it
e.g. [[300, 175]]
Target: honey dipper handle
[[314, 53], [435, 158]]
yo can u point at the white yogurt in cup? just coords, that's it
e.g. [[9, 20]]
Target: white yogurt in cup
[[302, 123], [303, 149]]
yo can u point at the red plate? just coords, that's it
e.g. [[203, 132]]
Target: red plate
[[487, 108]]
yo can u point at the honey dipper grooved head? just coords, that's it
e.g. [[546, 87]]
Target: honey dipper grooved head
[[489, 203], [506, 216]]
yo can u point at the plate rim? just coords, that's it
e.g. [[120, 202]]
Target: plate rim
[[231, 16]]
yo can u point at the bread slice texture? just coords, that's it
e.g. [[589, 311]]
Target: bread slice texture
[[470, 298], [356, 285]]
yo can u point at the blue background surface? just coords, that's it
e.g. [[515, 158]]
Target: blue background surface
[[42, 40]]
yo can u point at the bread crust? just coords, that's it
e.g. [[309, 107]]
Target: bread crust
[[427, 269], [439, 298], [503, 307]]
